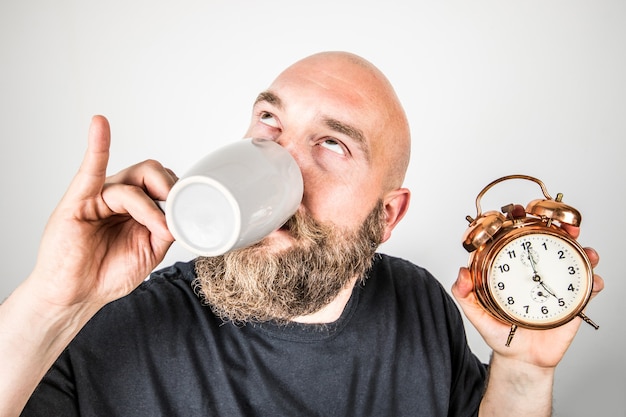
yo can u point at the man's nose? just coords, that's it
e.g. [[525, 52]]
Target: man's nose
[[294, 147], [298, 148]]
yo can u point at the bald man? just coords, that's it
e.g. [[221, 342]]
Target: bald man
[[309, 321]]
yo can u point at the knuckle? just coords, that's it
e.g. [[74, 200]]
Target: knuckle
[[152, 164]]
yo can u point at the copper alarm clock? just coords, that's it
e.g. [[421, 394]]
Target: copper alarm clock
[[527, 271]]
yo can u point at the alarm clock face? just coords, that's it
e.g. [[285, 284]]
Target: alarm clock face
[[541, 280]]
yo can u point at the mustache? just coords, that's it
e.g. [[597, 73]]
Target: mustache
[[303, 226], [306, 229]]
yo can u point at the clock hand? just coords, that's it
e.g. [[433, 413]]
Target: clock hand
[[536, 276], [548, 289]]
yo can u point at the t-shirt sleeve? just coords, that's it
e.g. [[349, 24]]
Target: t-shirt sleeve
[[55, 394], [469, 373]]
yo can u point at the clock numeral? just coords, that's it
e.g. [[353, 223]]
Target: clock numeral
[[571, 270], [544, 309], [510, 300], [511, 254], [561, 302], [500, 285], [504, 268], [526, 245], [570, 287], [545, 246], [526, 308], [561, 254]]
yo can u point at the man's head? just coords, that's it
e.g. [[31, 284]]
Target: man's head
[[342, 122], [340, 118]]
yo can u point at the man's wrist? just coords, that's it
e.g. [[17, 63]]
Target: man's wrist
[[516, 387]]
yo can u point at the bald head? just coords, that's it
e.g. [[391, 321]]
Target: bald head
[[358, 81]]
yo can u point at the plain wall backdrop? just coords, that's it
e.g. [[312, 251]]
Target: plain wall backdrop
[[490, 88]]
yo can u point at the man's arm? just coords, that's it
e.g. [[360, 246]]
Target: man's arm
[[102, 240], [521, 376]]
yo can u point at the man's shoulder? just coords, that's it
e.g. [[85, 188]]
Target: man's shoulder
[[402, 271], [167, 296], [408, 283], [179, 271], [164, 285]]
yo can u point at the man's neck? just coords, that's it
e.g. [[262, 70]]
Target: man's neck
[[333, 310]]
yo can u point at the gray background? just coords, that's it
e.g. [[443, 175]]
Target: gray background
[[490, 87]]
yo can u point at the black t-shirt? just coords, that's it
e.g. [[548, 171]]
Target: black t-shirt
[[398, 349]]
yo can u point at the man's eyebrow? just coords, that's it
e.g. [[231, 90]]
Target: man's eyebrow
[[350, 131], [269, 97]]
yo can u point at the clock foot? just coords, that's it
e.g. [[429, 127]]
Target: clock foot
[[511, 334], [588, 320]]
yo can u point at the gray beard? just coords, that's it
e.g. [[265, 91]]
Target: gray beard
[[254, 284]]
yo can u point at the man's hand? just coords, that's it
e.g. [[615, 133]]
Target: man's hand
[[540, 347], [107, 234], [103, 239], [530, 360]]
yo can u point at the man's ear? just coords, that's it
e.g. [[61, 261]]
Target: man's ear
[[396, 204]]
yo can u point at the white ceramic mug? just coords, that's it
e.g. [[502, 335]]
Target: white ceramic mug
[[234, 197]]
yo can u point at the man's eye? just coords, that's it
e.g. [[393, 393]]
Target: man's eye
[[268, 119], [333, 146]]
